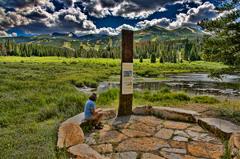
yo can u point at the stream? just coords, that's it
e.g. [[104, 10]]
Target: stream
[[194, 83]]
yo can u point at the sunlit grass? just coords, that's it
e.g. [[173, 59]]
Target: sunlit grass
[[37, 93], [144, 69]]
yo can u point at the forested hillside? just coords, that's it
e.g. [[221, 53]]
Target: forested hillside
[[154, 42]]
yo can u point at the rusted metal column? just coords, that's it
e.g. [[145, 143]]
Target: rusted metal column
[[126, 81]]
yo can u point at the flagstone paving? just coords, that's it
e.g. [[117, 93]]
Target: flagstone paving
[[148, 137]]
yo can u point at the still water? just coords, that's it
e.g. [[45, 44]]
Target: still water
[[195, 83]]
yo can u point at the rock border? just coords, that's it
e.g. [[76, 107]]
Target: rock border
[[221, 128], [168, 113], [71, 136]]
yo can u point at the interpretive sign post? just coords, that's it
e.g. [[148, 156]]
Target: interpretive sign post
[[126, 81]]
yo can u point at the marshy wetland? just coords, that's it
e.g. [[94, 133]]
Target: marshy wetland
[[37, 93]]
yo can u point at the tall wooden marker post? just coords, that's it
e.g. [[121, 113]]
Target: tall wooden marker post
[[126, 81]]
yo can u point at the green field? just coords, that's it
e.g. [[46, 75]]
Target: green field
[[37, 93]]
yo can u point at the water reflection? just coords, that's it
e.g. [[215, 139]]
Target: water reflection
[[204, 77], [196, 83]]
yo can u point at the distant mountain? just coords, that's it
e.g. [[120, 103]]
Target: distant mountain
[[94, 37], [159, 33], [72, 35], [73, 41]]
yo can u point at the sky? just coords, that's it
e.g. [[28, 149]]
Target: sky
[[34, 17]]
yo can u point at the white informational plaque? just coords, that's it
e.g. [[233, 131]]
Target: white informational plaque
[[127, 78]]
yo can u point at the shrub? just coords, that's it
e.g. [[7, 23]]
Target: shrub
[[47, 113], [4, 122], [71, 104], [205, 100], [165, 96], [73, 62], [148, 73], [108, 97], [77, 83], [229, 114], [90, 83], [181, 97], [65, 62], [81, 83], [165, 90]]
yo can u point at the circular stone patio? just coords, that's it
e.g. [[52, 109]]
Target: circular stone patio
[[148, 137]]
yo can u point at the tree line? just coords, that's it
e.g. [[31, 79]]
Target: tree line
[[167, 51], [172, 51], [11, 48]]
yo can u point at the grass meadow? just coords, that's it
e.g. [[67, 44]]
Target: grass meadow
[[37, 93]]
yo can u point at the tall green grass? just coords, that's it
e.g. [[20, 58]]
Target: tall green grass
[[37, 93], [108, 97], [34, 98]]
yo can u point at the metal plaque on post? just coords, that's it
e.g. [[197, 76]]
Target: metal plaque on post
[[127, 78]]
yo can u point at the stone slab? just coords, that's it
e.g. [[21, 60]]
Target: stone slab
[[143, 110], [176, 125], [178, 144], [175, 114], [134, 133], [150, 156], [124, 155], [168, 113], [169, 155], [109, 113], [219, 127], [111, 136], [148, 120], [69, 134], [83, 151], [175, 150], [142, 127], [78, 119], [144, 144], [234, 145], [103, 148], [205, 150], [164, 134]]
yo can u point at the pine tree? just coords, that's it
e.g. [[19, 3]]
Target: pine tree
[[153, 58], [187, 50], [161, 60], [141, 59], [224, 45]]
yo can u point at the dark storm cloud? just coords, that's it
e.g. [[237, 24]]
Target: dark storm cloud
[[207, 10], [194, 15], [66, 3], [23, 3], [11, 19], [16, 3], [36, 15], [13, 5], [109, 3], [64, 27], [37, 18], [130, 9], [47, 16]]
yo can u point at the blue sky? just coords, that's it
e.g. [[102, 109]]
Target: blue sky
[[32, 17]]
